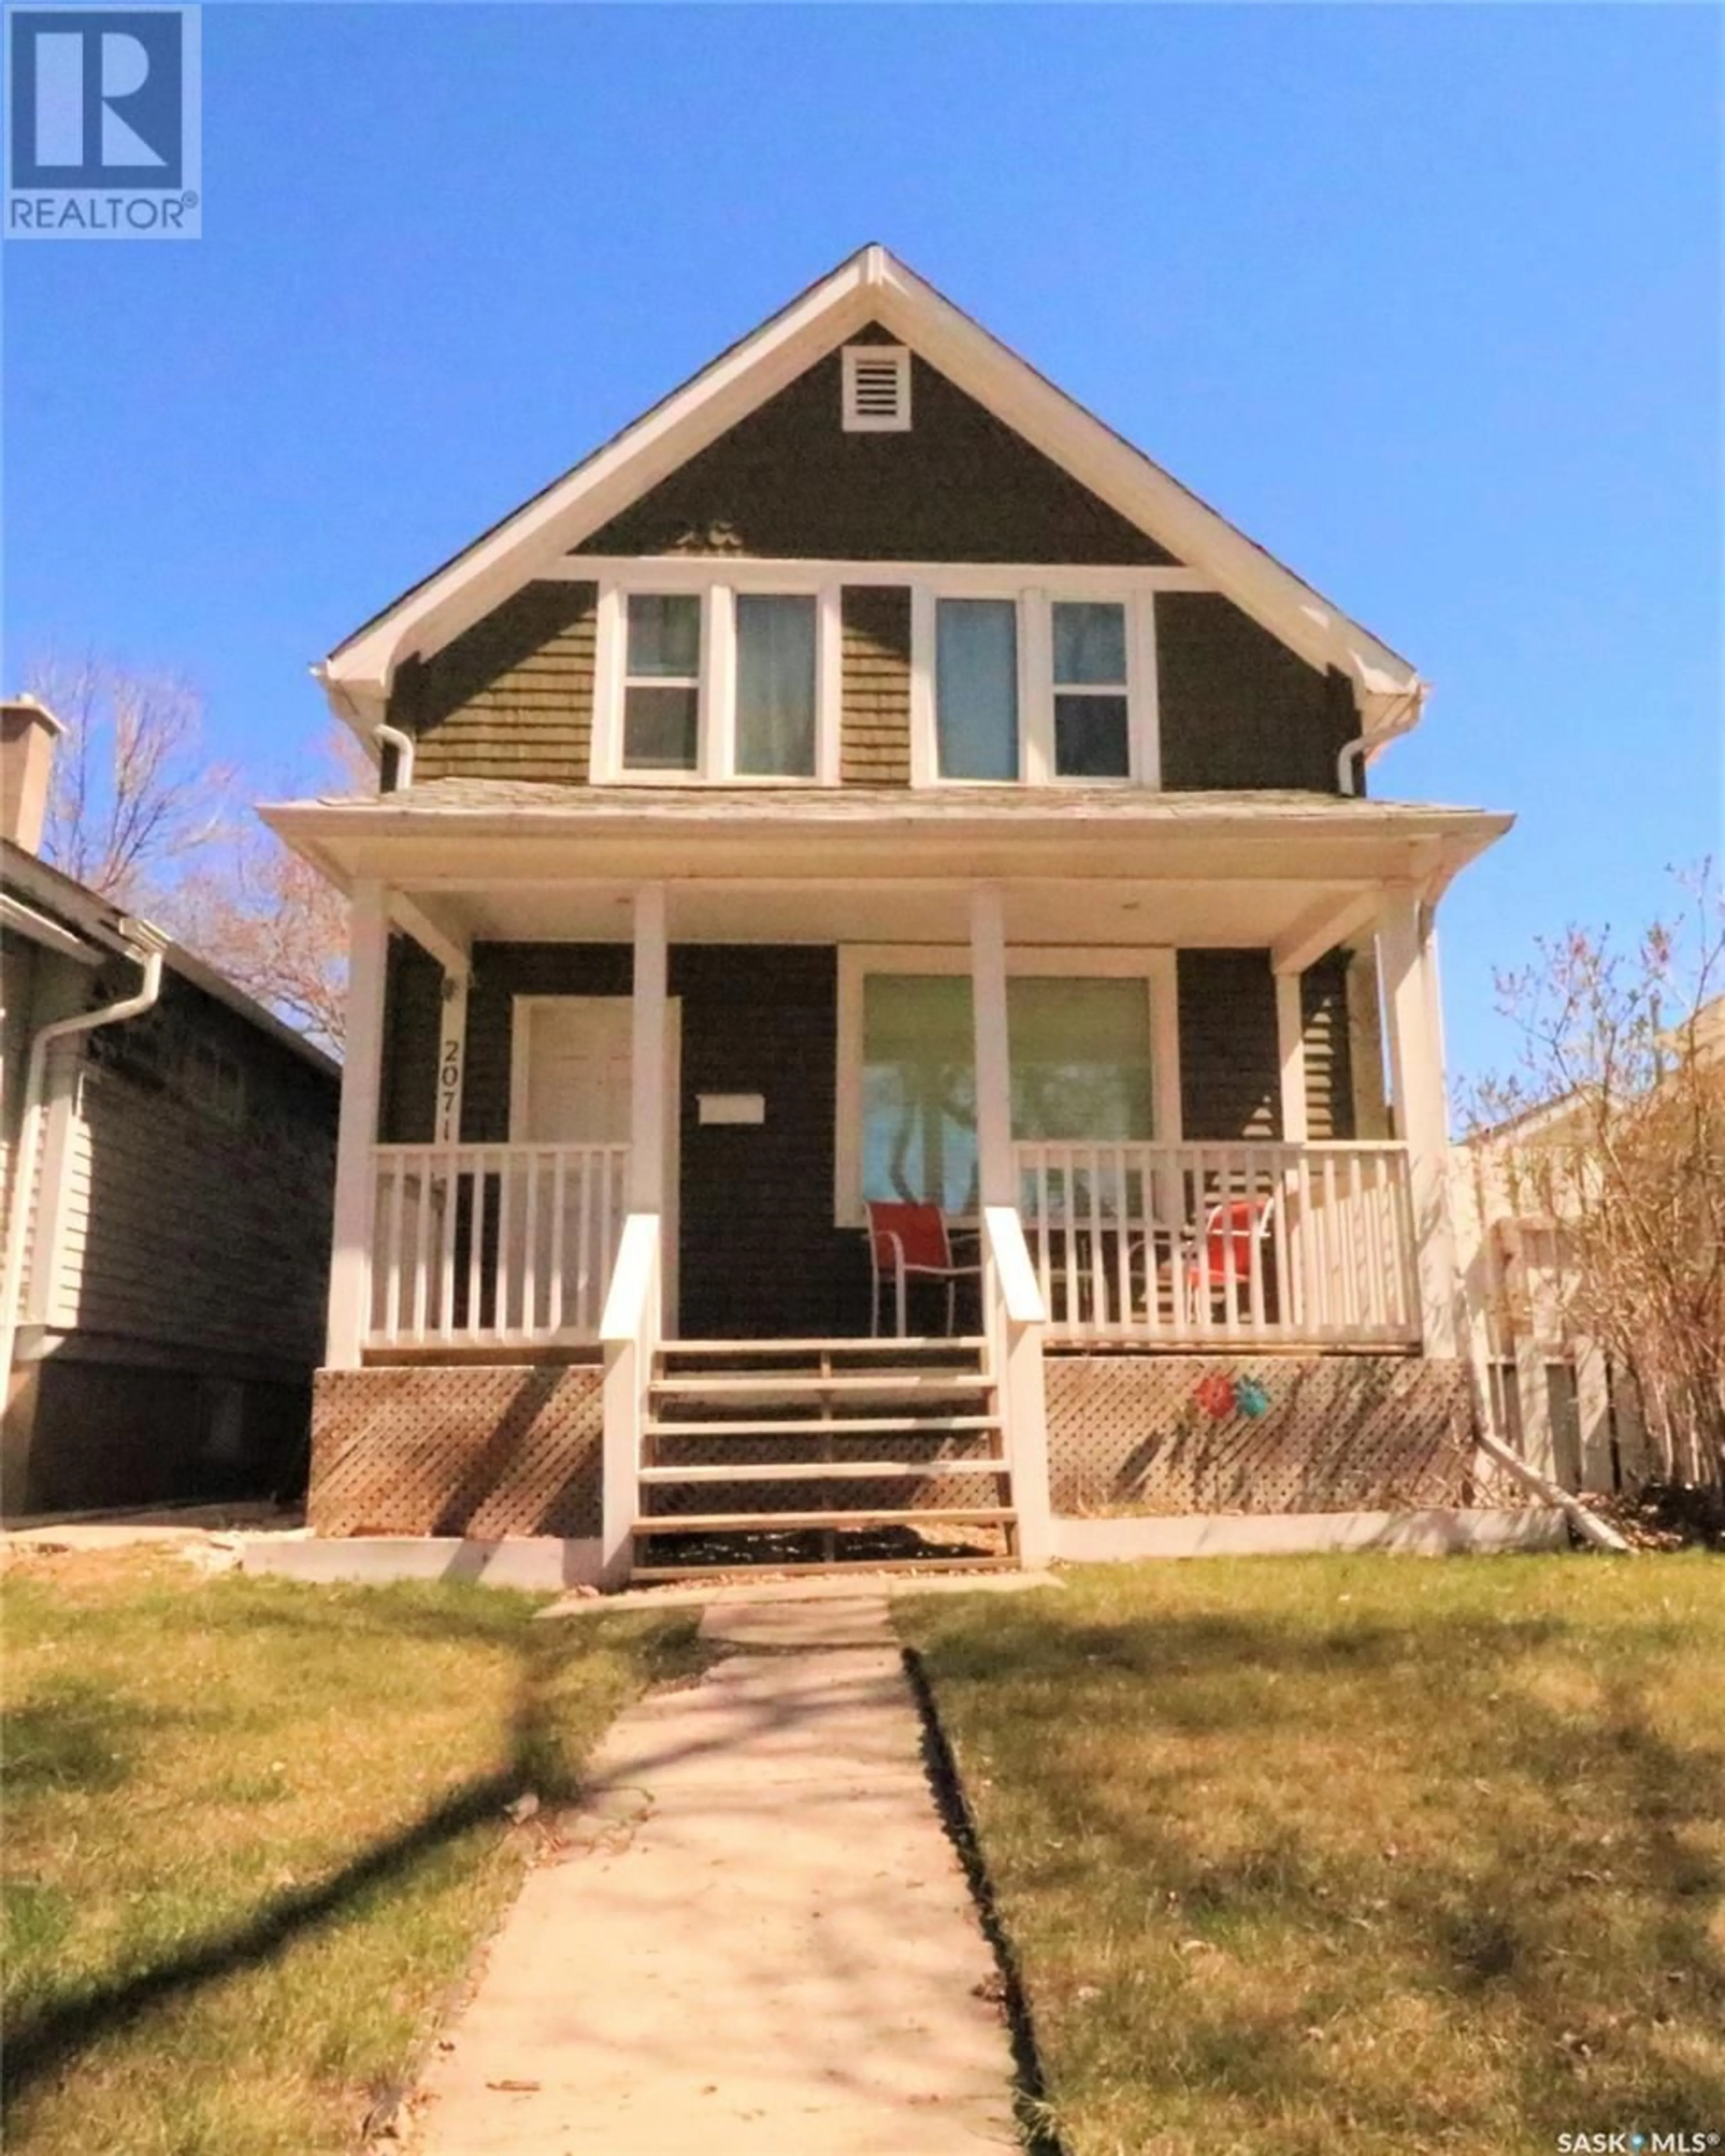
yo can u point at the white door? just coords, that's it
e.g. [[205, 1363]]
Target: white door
[[572, 1083]]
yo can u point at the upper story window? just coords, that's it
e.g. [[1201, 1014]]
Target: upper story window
[[1032, 686], [1092, 730], [661, 686], [776, 684], [976, 688], [729, 670], [712, 684]]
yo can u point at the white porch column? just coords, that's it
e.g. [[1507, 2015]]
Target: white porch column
[[646, 1135], [1422, 1118], [1290, 1051], [357, 1131], [997, 1182], [1015, 1342]]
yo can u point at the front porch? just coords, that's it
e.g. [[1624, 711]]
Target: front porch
[[613, 1126]]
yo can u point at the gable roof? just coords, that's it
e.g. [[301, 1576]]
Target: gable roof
[[871, 286]]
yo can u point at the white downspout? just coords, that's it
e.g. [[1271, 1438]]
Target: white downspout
[[402, 744], [1404, 722], [145, 946]]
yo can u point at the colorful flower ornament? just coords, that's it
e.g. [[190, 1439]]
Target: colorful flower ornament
[[1251, 1397], [1215, 1396]]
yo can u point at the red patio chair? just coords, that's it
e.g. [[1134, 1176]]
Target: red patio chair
[[909, 1242], [1235, 1229]]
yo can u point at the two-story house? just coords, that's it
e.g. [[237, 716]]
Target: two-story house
[[868, 781]]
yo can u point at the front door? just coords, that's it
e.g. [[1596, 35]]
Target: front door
[[572, 1083]]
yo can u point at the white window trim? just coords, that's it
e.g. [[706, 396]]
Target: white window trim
[[898, 420], [1035, 602], [1154, 965], [716, 587]]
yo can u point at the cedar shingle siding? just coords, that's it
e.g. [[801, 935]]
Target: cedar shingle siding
[[959, 487], [877, 722], [1230, 1067], [511, 697], [412, 1012], [1231, 1084], [1329, 1060], [1238, 709]]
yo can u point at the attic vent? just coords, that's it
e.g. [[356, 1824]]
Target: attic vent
[[877, 389]]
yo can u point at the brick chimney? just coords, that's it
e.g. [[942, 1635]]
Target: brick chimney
[[27, 733]]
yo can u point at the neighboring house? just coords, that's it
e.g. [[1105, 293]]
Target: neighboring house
[[166, 1150], [868, 777], [1549, 1390]]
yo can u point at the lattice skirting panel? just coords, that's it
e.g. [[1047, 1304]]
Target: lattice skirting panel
[[1334, 1434], [483, 1452]]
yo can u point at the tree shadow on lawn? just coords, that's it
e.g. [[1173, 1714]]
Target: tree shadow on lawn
[[41, 2044], [1513, 1914], [75, 1734]]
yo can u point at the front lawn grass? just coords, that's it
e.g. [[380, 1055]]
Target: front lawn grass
[[254, 1830], [1368, 1853]]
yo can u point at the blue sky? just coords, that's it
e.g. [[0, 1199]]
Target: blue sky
[[1426, 300]]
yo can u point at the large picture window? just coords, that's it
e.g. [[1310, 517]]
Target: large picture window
[[1082, 1069]]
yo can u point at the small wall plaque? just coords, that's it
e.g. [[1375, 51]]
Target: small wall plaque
[[733, 1107]]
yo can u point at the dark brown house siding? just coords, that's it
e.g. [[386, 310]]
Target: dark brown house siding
[[759, 1253], [1329, 1060], [875, 748], [1365, 1045], [1230, 1074], [1238, 709], [412, 1014], [959, 486], [511, 697]]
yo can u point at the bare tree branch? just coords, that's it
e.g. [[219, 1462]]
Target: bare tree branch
[[134, 800], [138, 811], [1612, 1131]]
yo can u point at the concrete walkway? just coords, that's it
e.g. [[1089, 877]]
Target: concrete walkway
[[759, 1938]]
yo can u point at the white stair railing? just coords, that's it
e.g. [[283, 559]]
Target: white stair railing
[[1014, 1313], [630, 1335]]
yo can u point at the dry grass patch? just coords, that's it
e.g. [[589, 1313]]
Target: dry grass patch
[[1361, 1851], [252, 1831]]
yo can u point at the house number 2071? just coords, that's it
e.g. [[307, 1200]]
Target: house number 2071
[[448, 1088]]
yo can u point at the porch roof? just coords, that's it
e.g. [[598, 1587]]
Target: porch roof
[[510, 859], [336, 825]]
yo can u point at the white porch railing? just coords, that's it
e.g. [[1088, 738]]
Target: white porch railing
[[488, 1245], [1251, 1242]]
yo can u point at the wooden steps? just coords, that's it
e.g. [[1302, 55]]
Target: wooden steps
[[825, 1470], [779, 1416], [730, 1523], [773, 1385], [918, 1344], [646, 1575], [850, 1426]]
